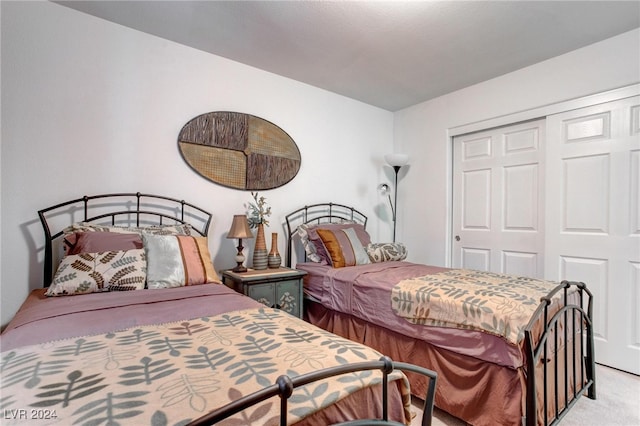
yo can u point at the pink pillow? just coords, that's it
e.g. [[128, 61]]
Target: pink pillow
[[96, 242]]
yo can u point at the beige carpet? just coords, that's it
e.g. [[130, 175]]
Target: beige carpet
[[617, 403]]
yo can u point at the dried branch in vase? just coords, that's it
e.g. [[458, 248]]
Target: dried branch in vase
[[259, 211]]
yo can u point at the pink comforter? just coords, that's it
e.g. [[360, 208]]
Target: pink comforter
[[43, 319], [364, 291]]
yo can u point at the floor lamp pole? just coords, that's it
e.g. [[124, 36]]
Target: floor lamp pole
[[396, 161], [395, 195]]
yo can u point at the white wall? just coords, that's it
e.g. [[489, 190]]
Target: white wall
[[92, 107], [422, 130]]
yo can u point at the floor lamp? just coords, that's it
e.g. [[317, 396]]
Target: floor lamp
[[396, 161]]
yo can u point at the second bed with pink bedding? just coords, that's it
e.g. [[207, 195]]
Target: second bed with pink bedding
[[508, 350]]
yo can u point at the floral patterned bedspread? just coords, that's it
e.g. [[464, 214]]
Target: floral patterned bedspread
[[495, 303], [172, 373]]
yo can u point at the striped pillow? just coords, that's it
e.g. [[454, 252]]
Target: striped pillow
[[178, 260], [314, 245], [344, 247]]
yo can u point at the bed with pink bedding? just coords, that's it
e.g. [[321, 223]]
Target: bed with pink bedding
[[96, 346], [483, 333]]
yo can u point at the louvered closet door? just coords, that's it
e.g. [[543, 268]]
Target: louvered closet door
[[593, 219], [498, 205]]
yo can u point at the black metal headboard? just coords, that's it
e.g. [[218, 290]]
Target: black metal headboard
[[318, 213], [124, 209]]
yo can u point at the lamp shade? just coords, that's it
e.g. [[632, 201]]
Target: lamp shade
[[396, 160], [240, 227], [384, 189]]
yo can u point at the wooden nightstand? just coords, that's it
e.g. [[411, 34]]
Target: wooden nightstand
[[277, 288]]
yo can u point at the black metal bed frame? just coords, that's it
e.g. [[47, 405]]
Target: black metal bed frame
[[133, 208], [285, 386], [536, 347], [548, 342]]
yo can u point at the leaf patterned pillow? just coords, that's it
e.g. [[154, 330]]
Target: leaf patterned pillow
[[385, 252], [96, 272], [309, 247]]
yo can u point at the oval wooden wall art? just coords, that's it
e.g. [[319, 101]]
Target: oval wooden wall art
[[239, 150]]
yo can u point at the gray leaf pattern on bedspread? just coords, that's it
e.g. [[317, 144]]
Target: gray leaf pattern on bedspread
[[495, 303], [177, 372]]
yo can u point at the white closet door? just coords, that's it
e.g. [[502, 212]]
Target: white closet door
[[593, 219], [498, 203]]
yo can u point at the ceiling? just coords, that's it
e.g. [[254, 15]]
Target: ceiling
[[391, 54]]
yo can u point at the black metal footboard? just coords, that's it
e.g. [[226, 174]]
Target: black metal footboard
[[285, 385], [559, 347]]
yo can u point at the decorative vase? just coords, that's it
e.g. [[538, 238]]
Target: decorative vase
[[260, 257], [274, 256]]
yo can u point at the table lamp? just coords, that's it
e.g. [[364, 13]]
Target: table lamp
[[240, 229]]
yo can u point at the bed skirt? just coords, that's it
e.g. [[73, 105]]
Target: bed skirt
[[497, 392]]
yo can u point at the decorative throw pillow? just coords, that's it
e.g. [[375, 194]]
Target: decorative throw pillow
[[343, 247], [94, 242], [314, 244], [384, 252], [178, 260], [309, 246], [175, 229], [97, 272], [71, 231]]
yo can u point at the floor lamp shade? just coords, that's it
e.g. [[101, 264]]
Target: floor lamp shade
[[396, 160]]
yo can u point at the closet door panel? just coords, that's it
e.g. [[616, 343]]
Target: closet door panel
[[497, 201], [592, 218]]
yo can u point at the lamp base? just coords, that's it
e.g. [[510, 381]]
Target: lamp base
[[240, 259], [240, 268]]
